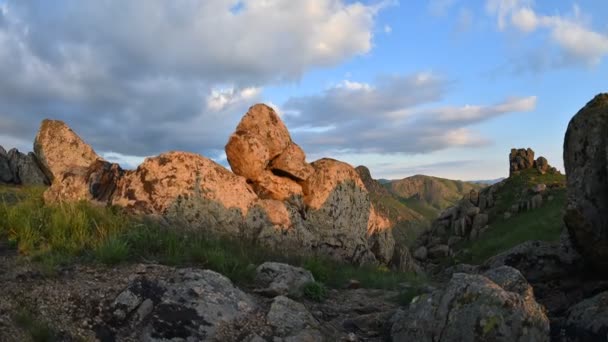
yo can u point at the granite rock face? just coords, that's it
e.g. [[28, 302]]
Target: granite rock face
[[585, 160]]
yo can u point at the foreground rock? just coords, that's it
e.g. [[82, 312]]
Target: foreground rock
[[585, 148], [191, 305], [275, 279], [588, 320], [497, 307]]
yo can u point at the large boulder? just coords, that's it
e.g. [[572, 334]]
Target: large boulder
[[61, 151], [275, 279], [585, 160], [338, 210], [291, 320], [475, 308], [588, 320], [191, 305], [261, 150], [25, 168], [189, 189]]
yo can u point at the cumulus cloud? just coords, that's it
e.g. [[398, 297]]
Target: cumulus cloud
[[578, 42], [140, 77], [394, 115]]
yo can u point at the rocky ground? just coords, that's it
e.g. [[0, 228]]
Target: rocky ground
[[154, 302]]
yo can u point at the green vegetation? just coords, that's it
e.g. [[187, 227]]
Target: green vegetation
[[513, 186], [544, 223], [315, 291], [37, 330], [60, 234]]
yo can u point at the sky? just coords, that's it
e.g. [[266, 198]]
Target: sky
[[438, 87]]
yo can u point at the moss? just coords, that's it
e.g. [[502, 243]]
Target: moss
[[490, 324]]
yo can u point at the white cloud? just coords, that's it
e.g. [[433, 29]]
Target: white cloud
[[142, 77], [394, 115], [388, 29], [572, 34]]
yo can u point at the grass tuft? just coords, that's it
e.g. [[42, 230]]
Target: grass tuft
[[315, 291]]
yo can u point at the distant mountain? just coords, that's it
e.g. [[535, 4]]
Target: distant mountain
[[488, 181], [430, 195], [413, 203]]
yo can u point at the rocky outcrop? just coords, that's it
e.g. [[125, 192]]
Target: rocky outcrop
[[585, 160], [497, 306], [188, 189], [276, 279], [523, 159], [261, 150], [274, 197], [25, 168], [6, 174], [520, 159], [61, 151]]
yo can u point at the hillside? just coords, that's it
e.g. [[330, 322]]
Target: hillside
[[429, 195]]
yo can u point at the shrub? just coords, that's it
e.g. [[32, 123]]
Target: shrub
[[315, 291]]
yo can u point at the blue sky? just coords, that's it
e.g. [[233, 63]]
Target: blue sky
[[443, 87]]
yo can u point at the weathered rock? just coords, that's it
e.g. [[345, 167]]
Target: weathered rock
[[542, 165], [421, 253], [338, 210], [585, 160], [479, 222], [588, 320], [263, 122], [6, 175], [61, 151], [192, 305], [247, 155], [189, 189], [510, 279], [472, 308], [380, 236], [520, 159], [95, 183], [474, 197], [25, 168], [275, 279], [439, 251], [538, 261], [292, 162], [278, 188], [536, 201], [473, 211], [290, 318], [403, 261]]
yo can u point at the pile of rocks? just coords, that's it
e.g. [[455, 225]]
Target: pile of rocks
[[523, 159], [19, 168], [273, 196]]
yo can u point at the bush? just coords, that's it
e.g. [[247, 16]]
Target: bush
[[315, 291]]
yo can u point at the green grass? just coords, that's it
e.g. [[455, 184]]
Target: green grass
[[37, 330], [544, 223], [513, 186], [315, 291], [56, 235]]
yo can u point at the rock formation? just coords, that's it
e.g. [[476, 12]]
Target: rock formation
[[19, 168], [496, 306], [585, 159], [523, 159], [273, 197]]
